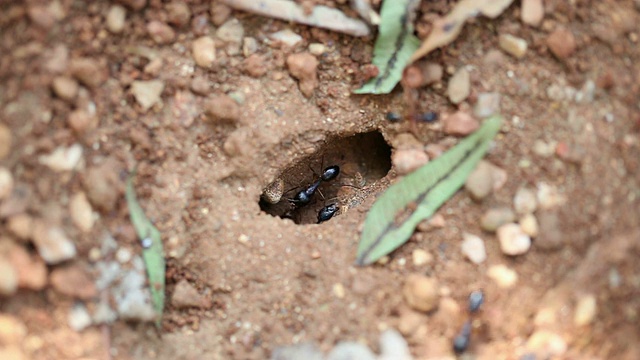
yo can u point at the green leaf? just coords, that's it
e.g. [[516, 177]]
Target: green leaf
[[394, 46], [394, 216], [152, 251]]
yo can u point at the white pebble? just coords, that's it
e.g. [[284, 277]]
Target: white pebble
[[6, 182], [525, 201], [147, 93], [53, 245], [546, 344], [79, 317], [339, 291], [115, 19], [529, 225], [586, 309], [81, 212], [503, 276], [286, 37], [473, 248], [421, 257], [548, 196], [317, 49], [513, 46], [513, 241], [63, 159], [123, 255], [487, 104], [204, 51], [459, 86], [8, 277]]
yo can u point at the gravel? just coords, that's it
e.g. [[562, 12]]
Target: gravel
[[147, 93], [473, 248], [346, 350], [116, 19], [66, 88], [503, 276], [161, 33], [81, 212], [406, 161], [79, 317], [529, 225], [6, 182], [204, 51], [222, 108], [512, 45], [62, 159], [532, 12], [231, 33], [421, 292], [304, 67], [8, 277], [586, 309], [286, 37], [73, 281], [480, 182], [30, 269], [52, 243], [487, 104], [496, 217], [459, 86], [460, 123], [561, 43], [525, 201], [513, 241], [546, 344], [421, 257]]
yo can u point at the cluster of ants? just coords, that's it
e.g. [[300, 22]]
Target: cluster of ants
[[303, 197]]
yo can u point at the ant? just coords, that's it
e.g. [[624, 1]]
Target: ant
[[303, 197], [327, 212]]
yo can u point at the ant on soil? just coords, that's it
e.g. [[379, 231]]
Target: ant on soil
[[303, 197], [327, 212], [463, 339]]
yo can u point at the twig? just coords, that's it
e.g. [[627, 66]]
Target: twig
[[321, 16]]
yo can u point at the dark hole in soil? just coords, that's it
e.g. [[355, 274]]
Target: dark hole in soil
[[363, 159]]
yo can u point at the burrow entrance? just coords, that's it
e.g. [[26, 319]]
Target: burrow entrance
[[363, 159]]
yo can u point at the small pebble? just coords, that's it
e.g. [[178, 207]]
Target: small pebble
[[21, 226], [231, 33], [200, 85], [102, 185], [339, 291], [473, 248], [421, 257], [586, 309], [525, 201], [6, 182], [8, 277], [204, 51], [31, 270], [80, 121], [431, 73], [73, 281], [249, 46], [546, 344], [459, 86], [487, 105], [219, 13], [513, 241], [406, 161], [303, 66], [81, 212], [496, 217], [89, 71], [5, 141], [549, 197], [421, 292], [221, 108], [123, 255], [186, 295], [479, 184], [503, 276], [79, 317], [529, 225], [160, 32], [393, 346], [460, 124], [66, 88], [562, 43], [273, 192], [317, 49], [513, 46], [116, 19], [53, 245], [286, 37], [255, 65], [476, 299], [550, 237], [544, 149], [147, 93], [63, 159], [532, 12], [178, 13], [12, 330]]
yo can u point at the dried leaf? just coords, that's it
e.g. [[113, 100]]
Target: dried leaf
[[447, 29]]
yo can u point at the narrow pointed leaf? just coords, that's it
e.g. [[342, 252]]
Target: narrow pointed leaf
[[152, 251], [394, 216], [394, 46]]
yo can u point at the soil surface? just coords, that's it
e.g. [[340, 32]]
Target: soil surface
[[84, 99]]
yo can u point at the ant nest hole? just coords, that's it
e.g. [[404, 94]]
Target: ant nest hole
[[310, 191]]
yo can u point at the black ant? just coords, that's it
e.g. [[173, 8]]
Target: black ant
[[303, 197], [327, 212]]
